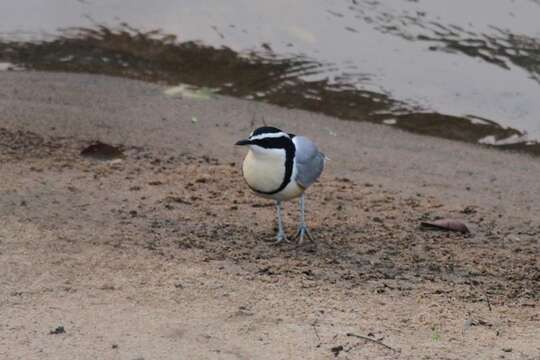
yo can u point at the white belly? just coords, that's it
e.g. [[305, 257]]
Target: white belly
[[266, 173]]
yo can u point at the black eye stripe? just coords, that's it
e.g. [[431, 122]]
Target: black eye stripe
[[281, 142]]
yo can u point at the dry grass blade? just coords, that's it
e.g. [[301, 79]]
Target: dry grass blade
[[373, 341]]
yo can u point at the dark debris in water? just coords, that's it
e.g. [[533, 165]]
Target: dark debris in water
[[102, 151], [451, 127], [500, 47]]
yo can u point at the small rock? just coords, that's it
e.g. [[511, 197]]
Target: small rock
[[101, 151], [336, 350], [468, 210], [58, 330]]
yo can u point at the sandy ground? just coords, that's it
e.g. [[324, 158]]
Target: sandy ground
[[166, 255]]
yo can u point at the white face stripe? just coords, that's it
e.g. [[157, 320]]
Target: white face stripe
[[260, 151], [268, 135]]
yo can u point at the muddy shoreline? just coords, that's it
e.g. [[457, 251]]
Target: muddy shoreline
[[260, 75]]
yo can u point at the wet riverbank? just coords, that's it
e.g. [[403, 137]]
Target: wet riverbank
[[436, 68], [252, 75]]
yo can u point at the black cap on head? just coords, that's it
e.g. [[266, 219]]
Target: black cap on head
[[270, 138], [265, 130]]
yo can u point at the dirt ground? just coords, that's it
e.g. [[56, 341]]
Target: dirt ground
[[161, 256], [165, 254]]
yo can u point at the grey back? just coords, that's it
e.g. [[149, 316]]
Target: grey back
[[309, 161]]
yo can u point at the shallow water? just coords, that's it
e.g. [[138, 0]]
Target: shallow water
[[459, 69]]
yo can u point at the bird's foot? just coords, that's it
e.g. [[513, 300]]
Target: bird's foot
[[302, 233], [281, 238]]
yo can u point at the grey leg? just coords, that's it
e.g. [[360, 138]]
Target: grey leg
[[280, 237], [302, 229]]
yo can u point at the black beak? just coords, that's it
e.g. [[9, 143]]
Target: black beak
[[243, 142]]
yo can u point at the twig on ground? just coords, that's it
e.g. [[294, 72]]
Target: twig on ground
[[487, 301], [314, 326], [373, 341]]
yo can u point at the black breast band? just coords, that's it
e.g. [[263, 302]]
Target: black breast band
[[279, 143]]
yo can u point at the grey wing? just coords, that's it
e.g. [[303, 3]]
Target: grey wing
[[309, 161]]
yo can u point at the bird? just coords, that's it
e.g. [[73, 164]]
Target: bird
[[281, 166]]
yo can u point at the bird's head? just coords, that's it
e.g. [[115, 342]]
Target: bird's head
[[268, 140]]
